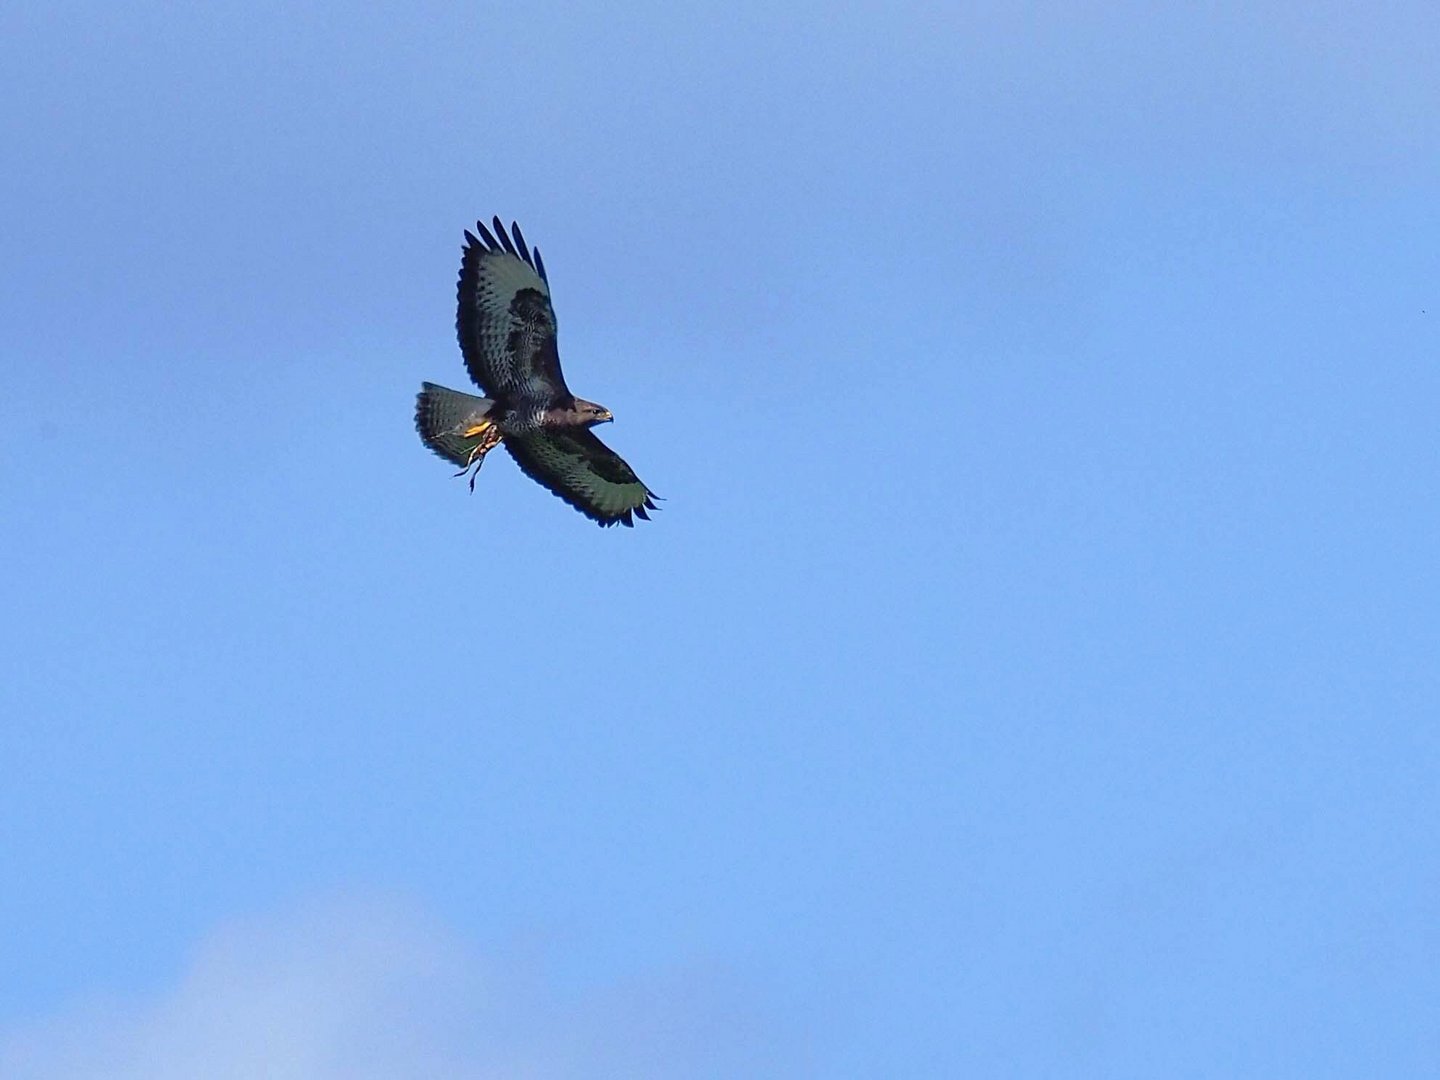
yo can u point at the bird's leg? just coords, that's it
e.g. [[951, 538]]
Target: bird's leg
[[489, 438]]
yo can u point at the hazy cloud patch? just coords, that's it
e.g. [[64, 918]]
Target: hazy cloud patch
[[365, 991]]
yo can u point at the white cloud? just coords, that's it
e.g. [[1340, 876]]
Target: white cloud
[[377, 992]]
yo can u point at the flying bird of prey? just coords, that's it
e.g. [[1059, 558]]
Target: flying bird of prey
[[507, 336]]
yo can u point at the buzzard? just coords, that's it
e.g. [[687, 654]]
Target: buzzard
[[507, 336]]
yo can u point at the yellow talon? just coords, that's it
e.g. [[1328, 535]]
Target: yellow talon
[[489, 437]]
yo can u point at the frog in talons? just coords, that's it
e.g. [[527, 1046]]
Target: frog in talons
[[488, 436]]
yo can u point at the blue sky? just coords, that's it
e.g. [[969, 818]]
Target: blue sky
[[1032, 671]]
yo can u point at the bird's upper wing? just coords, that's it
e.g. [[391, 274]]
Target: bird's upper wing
[[582, 470], [505, 322]]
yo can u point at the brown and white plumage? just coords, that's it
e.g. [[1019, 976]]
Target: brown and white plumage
[[507, 333]]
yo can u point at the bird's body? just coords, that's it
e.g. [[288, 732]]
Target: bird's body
[[506, 328]]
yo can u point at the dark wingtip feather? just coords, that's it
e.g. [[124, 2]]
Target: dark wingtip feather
[[641, 514], [540, 267], [490, 241], [470, 240], [520, 243], [504, 237]]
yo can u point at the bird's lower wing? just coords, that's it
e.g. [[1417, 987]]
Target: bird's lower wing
[[586, 473]]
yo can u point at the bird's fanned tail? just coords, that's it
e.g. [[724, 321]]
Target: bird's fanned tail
[[452, 424]]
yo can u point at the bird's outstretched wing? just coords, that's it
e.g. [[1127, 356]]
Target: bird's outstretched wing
[[505, 322], [587, 474]]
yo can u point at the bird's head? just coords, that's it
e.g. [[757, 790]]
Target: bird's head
[[590, 413]]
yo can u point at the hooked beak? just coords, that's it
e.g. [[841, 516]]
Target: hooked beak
[[606, 416]]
